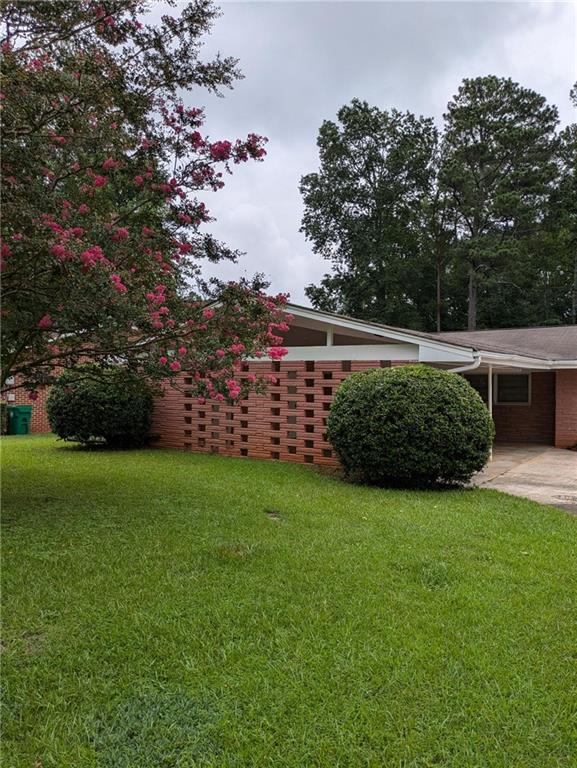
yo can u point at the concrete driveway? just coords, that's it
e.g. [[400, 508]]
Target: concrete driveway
[[538, 472]]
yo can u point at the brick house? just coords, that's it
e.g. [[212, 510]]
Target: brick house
[[527, 377]]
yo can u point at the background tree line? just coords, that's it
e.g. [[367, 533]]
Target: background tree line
[[471, 226]]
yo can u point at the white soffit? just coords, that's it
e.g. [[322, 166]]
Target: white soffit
[[428, 349]]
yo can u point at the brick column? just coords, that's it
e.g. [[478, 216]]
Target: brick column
[[566, 410]]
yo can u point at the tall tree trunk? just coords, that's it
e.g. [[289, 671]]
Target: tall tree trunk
[[472, 299], [574, 294], [439, 296]]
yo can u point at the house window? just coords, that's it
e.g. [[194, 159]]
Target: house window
[[479, 381], [513, 388]]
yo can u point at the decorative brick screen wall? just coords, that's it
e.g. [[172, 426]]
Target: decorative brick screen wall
[[566, 411], [286, 423]]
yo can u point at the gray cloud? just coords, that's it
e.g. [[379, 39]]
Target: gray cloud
[[302, 61]]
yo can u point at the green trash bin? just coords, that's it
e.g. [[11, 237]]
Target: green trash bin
[[19, 418]]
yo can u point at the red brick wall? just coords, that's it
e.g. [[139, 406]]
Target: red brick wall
[[179, 421], [39, 421], [534, 423], [287, 423], [566, 415]]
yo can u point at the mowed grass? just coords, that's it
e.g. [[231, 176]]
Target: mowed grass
[[164, 609]]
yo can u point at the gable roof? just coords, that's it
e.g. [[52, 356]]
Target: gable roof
[[551, 344]]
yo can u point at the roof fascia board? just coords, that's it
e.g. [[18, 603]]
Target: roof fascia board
[[522, 361]]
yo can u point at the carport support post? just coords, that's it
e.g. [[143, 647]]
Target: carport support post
[[490, 397]]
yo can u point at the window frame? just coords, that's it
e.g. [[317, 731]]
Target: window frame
[[497, 401]]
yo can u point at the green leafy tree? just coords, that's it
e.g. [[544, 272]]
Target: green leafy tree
[[499, 169], [563, 217], [364, 210], [473, 227], [103, 170]]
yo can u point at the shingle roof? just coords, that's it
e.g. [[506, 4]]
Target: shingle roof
[[550, 343]]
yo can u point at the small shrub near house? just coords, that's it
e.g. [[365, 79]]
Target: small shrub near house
[[112, 408], [412, 426]]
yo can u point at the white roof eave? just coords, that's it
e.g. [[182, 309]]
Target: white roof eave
[[358, 325]]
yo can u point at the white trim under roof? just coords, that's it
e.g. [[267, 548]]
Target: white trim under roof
[[428, 349], [405, 352]]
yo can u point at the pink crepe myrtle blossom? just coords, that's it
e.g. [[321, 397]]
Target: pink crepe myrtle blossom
[[277, 353], [220, 150], [272, 379], [118, 284], [279, 326], [59, 251], [91, 256], [121, 233], [83, 209], [233, 387], [175, 366], [138, 180], [182, 351], [220, 353], [163, 360], [236, 349], [99, 181], [201, 400], [45, 321], [109, 164], [208, 314]]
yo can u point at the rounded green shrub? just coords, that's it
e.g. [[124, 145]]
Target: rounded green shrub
[[412, 425], [111, 408]]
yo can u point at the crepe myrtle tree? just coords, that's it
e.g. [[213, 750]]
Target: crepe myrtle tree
[[102, 168]]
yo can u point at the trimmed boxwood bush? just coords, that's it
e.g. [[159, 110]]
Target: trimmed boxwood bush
[[112, 408], [412, 425]]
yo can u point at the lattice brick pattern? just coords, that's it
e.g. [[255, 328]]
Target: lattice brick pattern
[[287, 423]]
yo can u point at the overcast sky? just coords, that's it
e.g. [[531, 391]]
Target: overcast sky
[[304, 60]]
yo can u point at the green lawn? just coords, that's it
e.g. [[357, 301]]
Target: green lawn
[[157, 615]]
